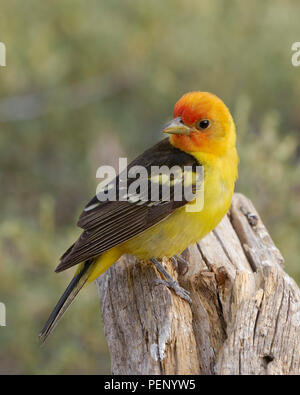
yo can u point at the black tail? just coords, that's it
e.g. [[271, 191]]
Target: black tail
[[66, 299]]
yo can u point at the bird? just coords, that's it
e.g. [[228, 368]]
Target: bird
[[201, 135]]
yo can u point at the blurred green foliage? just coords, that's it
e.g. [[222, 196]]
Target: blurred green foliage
[[88, 79]]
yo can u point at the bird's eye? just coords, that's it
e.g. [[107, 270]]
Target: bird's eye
[[203, 124]]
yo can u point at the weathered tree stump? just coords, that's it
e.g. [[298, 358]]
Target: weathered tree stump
[[245, 315]]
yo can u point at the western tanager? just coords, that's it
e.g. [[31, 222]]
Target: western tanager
[[202, 133]]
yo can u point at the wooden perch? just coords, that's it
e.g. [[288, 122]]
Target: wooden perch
[[245, 315]]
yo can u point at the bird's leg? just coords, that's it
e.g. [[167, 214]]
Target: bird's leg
[[180, 264], [170, 282]]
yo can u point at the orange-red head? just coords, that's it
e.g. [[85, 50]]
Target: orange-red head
[[201, 122]]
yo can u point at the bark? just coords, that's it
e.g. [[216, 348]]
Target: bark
[[245, 315]]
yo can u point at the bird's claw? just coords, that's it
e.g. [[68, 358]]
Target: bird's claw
[[183, 293]]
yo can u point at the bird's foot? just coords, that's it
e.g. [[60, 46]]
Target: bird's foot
[[183, 293], [170, 282], [181, 265]]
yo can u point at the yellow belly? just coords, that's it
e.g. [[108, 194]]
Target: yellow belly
[[174, 234]]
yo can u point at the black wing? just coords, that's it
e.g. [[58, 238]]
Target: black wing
[[109, 223]]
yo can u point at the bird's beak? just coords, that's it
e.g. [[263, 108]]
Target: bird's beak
[[176, 126]]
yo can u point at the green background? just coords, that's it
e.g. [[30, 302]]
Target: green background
[[87, 81]]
